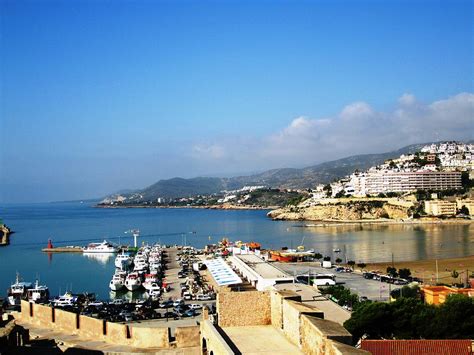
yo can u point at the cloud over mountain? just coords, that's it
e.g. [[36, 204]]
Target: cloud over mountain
[[358, 128]]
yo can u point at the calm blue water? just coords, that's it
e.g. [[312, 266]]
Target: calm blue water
[[78, 224]]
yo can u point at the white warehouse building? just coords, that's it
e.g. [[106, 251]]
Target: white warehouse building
[[261, 274]]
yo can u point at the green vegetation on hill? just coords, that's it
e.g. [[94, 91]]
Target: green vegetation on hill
[[274, 197]]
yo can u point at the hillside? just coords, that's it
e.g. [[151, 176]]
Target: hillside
[[285, 178]]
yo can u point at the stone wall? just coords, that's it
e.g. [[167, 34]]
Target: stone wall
[[97, 329], [292, 313], [319, 336], [187, 336], [211, 340], [64, 321], [276, 304], [243, 308]]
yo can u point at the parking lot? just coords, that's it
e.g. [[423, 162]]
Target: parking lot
[[372, 289]]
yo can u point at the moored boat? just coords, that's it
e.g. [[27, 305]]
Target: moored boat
[[104, 247], [18, 291], [133, 281], [38, 294]]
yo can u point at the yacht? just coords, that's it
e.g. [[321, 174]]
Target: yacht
[[117, 282], [133, 281], [38, 294], [123, 261], [18, 291], [68, 299], [104, 247]]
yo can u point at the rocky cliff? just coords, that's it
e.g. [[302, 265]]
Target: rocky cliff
[[343, 211]]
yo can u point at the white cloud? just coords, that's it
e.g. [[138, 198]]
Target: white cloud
[[357, 129]]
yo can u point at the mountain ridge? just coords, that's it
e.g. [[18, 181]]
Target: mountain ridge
[[294, 178]]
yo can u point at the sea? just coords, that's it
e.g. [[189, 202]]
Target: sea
[[76, 223]]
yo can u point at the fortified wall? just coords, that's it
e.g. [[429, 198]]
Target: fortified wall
[[88, 328], [283, 311]]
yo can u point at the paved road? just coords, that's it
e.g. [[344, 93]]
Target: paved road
[[373, 290]]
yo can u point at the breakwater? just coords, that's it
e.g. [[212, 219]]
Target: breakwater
[[4, 235]]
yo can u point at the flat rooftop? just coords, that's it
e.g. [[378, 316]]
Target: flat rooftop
[[260, 339], [263, 268]]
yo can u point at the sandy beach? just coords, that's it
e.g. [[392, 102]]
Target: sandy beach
[[426, 269]]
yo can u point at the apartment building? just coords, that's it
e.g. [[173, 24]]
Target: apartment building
[[383, 181], [440, 208]]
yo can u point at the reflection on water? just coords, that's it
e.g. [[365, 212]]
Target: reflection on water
[[101, 258], [372, 243]]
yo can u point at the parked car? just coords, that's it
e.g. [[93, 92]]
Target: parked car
[[187, 296], [195, 306], [167, 304], [203, 297], [190, 313], [178, 302]]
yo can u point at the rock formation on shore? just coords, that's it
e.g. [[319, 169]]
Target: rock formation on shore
[[343, 211]]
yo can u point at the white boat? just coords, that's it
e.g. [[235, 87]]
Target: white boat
[[123, 261], [38, 294], [140, 264], [133, 281], [151, 280], [18, 291], [104, 247], [117, 282], [68, 299]]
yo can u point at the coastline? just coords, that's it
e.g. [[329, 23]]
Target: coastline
[[335, 223], [214, 207]]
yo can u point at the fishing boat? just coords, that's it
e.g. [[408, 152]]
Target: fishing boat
[[38, 294], [104, 247], [133, 281], [18, 291]]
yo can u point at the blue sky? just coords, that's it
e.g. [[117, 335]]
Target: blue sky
[[103, 95]]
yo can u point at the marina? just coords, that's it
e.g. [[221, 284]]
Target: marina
[[75, 224]]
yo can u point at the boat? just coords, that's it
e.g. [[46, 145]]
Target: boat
[[38, 294], [123, 261], [117, 282], [104, 247], [18, 291], [133, 281], [151, 280], [68, 299]]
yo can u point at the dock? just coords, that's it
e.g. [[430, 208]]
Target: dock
[[72, 249]]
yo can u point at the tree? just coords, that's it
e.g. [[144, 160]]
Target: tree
[[327, 258], [351, 263], [318, 256], [392, 271], [464, 210], [373, 319], [338, 260], [361, 265], [404, 273], [406, 291]]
